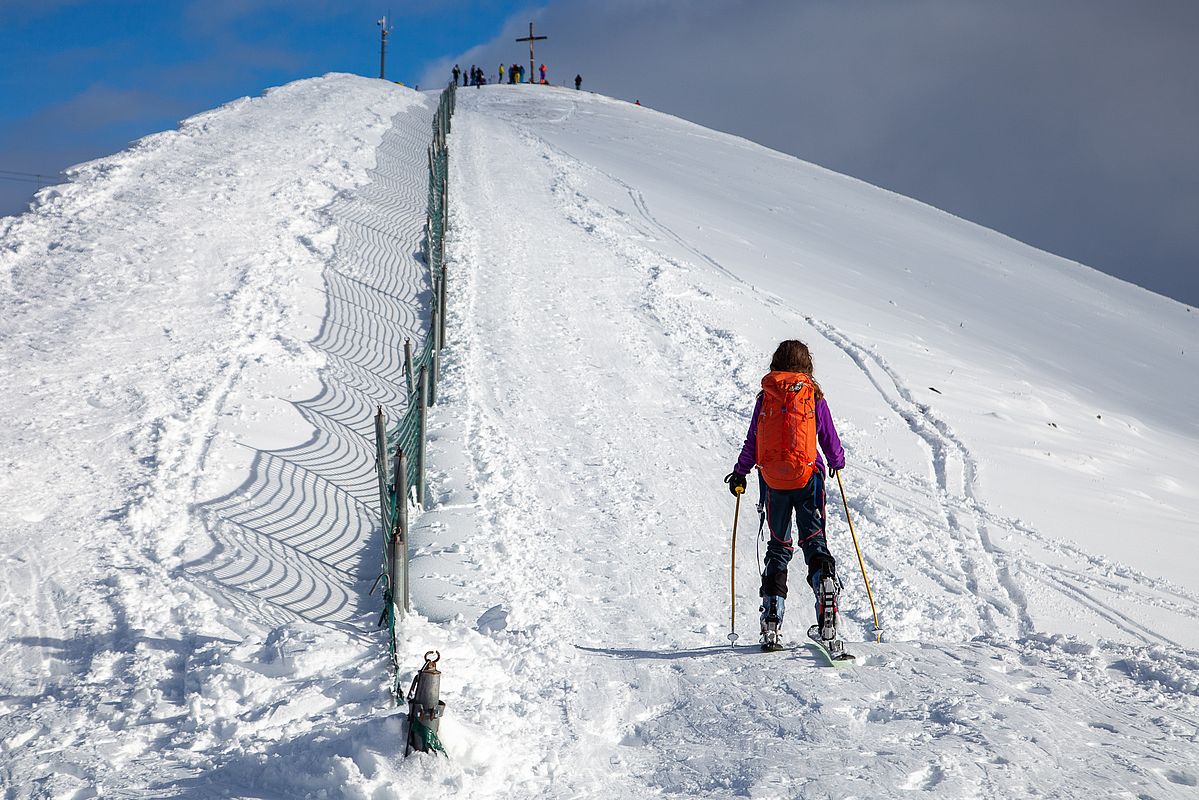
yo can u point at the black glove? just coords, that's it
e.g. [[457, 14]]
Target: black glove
[[834, 470], [736, 483]]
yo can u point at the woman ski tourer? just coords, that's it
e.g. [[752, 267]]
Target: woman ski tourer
[[790, 420]]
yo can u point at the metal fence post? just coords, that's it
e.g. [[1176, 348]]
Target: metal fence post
[[397, 562], [422, 432], [432, 185], [445, 214], [435, 321], [408, 366], [402, 543], [434, 375], [441, 317], [381, 467], [435, 350]]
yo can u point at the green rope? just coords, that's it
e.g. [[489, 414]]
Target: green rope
[[427, 736], [390, 618]]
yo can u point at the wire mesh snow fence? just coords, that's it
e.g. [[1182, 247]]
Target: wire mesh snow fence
[[400, 451]]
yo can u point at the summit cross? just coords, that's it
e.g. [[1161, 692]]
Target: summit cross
[[530, 39]]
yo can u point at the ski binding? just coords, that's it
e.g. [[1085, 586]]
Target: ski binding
[[833, 650]]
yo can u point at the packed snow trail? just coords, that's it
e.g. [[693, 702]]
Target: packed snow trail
[[600, 369]]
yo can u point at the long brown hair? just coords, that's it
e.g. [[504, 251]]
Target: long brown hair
[[793, 355]]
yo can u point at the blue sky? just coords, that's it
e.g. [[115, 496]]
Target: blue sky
[[81, 79], [1067, 124]]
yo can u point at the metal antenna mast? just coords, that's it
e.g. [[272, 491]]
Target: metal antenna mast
[[384, 30], [530, 39]]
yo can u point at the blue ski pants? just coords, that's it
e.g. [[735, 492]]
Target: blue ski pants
[[806, 505]]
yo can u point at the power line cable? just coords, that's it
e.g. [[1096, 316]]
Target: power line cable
[[38, 176]]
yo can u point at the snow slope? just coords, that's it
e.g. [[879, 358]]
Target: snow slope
[[202, 325], [195, 332], [622, 279]]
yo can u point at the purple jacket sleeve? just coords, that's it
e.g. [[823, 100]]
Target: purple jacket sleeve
[[826, 435], [749, 450]]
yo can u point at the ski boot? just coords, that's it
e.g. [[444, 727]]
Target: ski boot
[[772, 623], [824, 632]]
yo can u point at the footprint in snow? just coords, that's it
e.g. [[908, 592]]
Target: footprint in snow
[[1181, 778], [493, 620]]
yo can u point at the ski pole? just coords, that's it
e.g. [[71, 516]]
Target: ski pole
[[878, 631], [733, 576]]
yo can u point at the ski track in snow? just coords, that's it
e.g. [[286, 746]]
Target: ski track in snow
[[980, 578], [674, 697], [987, 569], [1001, 603], [956, 474]]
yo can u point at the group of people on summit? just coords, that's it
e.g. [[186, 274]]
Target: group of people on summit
[[476, 76], [516, 74]]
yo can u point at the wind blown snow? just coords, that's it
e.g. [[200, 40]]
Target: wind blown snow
[[196, 331]]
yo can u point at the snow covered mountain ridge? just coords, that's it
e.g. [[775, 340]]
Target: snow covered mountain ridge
[[195, 331]]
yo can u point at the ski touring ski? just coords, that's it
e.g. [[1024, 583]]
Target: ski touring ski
[[833, 651]]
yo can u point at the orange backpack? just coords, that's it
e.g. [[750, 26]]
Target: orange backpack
[[787, 430]]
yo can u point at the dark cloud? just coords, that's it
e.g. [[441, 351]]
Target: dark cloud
[[1069, 125]]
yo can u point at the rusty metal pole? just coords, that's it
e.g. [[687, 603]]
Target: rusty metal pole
[[397, 553]]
